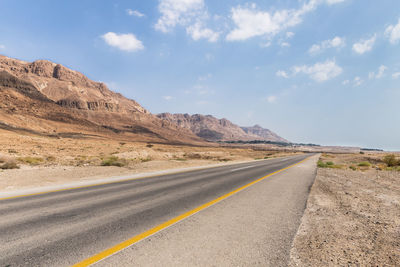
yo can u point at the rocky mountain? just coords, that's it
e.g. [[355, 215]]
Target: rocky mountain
[[48, 98], [265, 134], [213, 129]]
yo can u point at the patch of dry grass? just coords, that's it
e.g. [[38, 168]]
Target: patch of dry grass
[[113, 161], [361, 162], [31, 160]]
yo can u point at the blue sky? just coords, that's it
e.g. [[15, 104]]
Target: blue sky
[[321, 71]]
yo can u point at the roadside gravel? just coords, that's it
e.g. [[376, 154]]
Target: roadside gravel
[[352, 219]]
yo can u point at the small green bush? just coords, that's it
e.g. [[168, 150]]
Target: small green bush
[[364, 164], [321, 164], [391, 160], [330, 163], [362, 152], [354, 168], [113, 161]]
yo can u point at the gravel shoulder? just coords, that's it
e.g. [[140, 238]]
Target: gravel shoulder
[[352, 219]]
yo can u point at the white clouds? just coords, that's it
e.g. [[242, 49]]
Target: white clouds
[[364, 46], [175, 12], [320, 72], [250, 22], [345, 82], [168, 98], [125, 42], [289, 35], [282, 74], [380, 74], [135, 13], [336, 42], [190, 14], [285, 44], [197, 32], [396, 75], [2, 47], [271, 99], [332, 2], [358, 81], [393, 33]]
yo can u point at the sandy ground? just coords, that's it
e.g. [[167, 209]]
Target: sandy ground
[[352, 217], [45, 161]]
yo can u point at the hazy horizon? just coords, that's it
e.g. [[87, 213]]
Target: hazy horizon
[[313, 71]]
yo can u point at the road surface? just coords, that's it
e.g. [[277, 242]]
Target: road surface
[[66, 227]]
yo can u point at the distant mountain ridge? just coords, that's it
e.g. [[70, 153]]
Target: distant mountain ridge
[[266, 134], [213, 129], [46, 97]]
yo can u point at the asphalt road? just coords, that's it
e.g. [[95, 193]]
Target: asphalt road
[[63, 228]]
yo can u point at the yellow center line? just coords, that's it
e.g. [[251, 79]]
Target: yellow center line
[[117, 248]]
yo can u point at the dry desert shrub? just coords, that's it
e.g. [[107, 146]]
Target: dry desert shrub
[[364, 164], [113, 161], [192, 155], [146, 159], [329, 164], [9, 165], [31, 160], [391, 160], [51, 158]]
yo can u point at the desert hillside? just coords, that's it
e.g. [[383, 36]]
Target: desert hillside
[[213, 129], [43, 97], [47, 98], [263, 133]]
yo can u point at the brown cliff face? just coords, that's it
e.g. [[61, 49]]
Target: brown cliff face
[[69, 88], [213, 129], [49, 98]]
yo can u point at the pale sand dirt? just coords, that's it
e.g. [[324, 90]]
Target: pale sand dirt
[[352, 219]]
